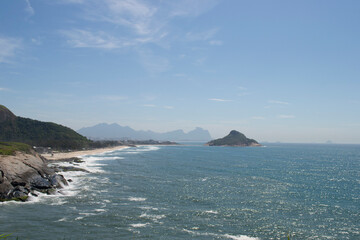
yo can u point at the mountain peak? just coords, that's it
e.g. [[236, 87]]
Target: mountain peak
[[6, 114], [115, 131], [234, 132]]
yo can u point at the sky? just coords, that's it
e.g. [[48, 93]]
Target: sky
[[286, 71]]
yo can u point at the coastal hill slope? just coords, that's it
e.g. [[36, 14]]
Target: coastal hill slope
[[236, 139], [37, 133], [117, 132]]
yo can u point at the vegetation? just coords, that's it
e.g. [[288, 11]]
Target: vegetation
[[2, 236], [235, 138], [104, 143], [9, 148], [37, 133]]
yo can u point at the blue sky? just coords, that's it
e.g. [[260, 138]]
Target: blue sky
[[275, 70]]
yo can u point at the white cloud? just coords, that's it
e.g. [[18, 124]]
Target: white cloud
[[9, 47], [29, 9], [219, 100], [134, 14], [147, 20], [286, 116], [149, 105], [155, 106], [278, 102], [4, 89], [78, 38]]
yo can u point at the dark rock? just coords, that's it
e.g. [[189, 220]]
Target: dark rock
[[70, 169], [1, 176], [50, 191], [18, 183], [58, 181], [19, 192], [38, 182], [34, 194]]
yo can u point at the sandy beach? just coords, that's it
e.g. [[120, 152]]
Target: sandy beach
[[64, 155]]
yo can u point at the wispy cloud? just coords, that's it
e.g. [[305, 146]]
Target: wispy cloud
[[9, 47], [148, 21], [278, 102], [4, 89], [201, 36], [286, 116], [156, 106], [138, 23], [29, 9], [219, 100], [78, 38]]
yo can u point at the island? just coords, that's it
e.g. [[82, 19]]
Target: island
[[234, 139]]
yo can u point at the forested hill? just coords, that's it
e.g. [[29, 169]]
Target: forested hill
[[37, 133], [234, 138]]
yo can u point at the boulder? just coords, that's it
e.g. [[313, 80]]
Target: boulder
[[38, 182], [58, 181]]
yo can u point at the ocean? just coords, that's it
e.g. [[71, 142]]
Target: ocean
[[191, 191]]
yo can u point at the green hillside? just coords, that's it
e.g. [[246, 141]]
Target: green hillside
[[9, 148], [37, 133]]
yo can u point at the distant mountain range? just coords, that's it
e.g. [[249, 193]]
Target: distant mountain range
[[116, 132]]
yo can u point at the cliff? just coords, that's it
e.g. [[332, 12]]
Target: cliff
[[236, 139], [24, 173]]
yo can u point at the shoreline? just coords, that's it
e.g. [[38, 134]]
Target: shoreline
[[73, 154]]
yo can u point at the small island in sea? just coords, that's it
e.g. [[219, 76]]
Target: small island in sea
[[234, 139]]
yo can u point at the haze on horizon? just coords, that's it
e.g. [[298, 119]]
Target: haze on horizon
[[275, 70]]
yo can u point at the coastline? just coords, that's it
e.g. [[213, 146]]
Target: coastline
[[66, 155]]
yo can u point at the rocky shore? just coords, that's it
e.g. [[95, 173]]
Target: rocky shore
[[25, 174]]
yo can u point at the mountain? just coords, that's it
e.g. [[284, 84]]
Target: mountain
[[234, 138], [115, 131], [37, 133]]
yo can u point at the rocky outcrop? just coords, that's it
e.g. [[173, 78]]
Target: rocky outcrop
[[24, 174], [234, 139]]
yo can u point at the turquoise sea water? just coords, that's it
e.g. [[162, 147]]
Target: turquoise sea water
[[199, 192]]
